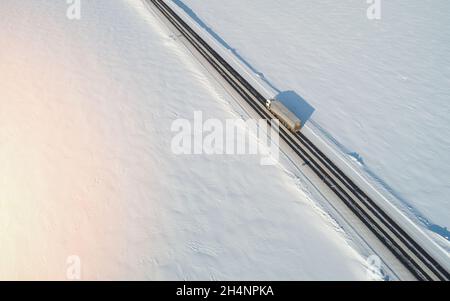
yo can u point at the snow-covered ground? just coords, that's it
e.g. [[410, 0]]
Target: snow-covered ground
[[378, 90], [86, 167]]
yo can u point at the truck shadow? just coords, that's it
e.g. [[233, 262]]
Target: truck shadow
[[297, 104]]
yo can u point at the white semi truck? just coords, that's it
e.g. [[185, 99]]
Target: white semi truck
[[284, 115]]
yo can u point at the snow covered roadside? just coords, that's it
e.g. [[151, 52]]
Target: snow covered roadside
[[377, 90], [86, 167]]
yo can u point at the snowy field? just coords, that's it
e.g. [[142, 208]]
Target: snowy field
[[378, 90], [86, 167]]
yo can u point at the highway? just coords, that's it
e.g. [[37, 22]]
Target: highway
[[409, 252]]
